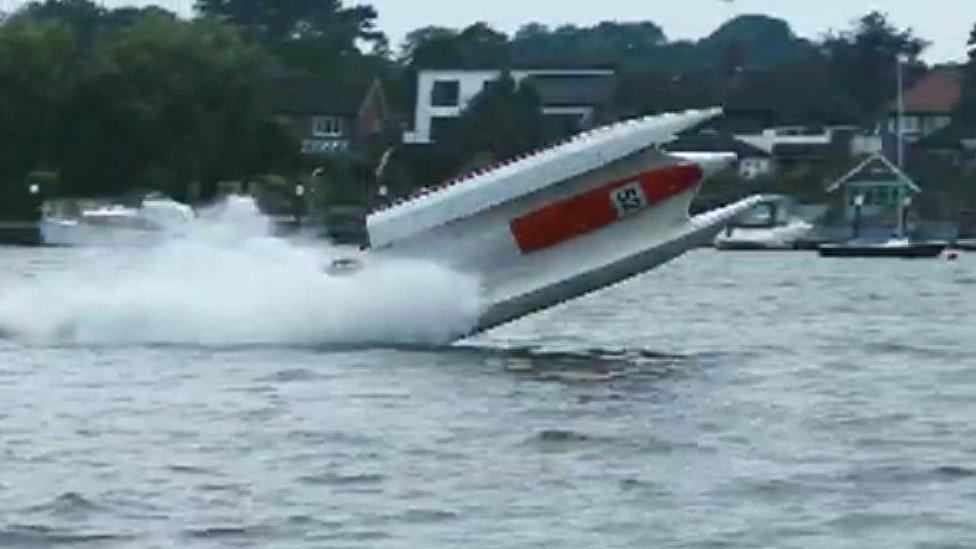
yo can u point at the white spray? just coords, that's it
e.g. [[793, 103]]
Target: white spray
[[224, 282]]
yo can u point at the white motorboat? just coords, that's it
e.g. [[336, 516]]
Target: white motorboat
[[552, 225], [156, 218], [771, 224]]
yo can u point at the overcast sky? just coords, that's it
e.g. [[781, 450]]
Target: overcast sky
[[944, 22]]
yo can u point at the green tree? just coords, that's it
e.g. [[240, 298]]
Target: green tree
[[164, 105], [864, 60], [966, 109], [502, 121], [37, 68], [325, 22], [88, 20], [605, 43], [478, 45]]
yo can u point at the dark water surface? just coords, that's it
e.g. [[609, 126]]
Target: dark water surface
[[736, 400]]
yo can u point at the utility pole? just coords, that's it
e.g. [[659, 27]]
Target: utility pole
[[901, 114]]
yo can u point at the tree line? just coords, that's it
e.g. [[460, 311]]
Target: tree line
[[104, 101]]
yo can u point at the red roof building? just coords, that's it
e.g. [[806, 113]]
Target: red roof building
[[930, 103]]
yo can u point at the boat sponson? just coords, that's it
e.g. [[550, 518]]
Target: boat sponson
[[698, 231]]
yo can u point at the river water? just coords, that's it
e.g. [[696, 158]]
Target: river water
[[723, 400]]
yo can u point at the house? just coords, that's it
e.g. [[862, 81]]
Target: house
[[752, 162], [879, 186], [326, 116], [929, 104], [575, 99]]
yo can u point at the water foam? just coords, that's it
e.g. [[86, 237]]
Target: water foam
[[224, 282]]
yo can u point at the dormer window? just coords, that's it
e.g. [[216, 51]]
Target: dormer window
[[327, 126]]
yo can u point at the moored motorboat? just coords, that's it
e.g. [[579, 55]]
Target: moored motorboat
[[110, 224], [895, 248], [769, 225]]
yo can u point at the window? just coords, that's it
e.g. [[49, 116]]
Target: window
[[762, 215], [446, 93], [327, 126], [910, 124]]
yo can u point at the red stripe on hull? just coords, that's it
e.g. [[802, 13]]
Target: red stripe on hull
[[564, 220]]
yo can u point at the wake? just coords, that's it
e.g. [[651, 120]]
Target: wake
[[223, 282]]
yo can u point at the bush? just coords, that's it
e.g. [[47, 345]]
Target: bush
[[275, 195]]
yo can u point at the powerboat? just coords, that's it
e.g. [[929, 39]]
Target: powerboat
[[895, 247], [899, 245], [555, 224], [770, 225], [157, 217]]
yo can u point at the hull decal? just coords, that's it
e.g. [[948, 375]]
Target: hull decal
[[572, 217]]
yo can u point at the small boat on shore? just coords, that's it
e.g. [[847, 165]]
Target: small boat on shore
[[110, 224], [769, 225], [900, 245]]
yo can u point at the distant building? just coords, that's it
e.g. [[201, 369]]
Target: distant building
[[797, 144], [752, 162], [929, 104], [575, 99], [880, 186], [326, 116]]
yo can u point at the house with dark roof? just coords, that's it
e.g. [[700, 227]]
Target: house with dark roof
[[573, 99], [929, 105], [752, 162], [807, 144], [329, 117]]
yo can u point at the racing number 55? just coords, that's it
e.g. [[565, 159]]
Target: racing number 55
[[629, 199]]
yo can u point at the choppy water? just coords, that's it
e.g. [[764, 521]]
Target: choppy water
[[736, 400]]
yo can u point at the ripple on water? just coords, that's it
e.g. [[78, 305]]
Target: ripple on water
[[340, 479], [68, 504], [193, 470], [562, 440], [35, 535], [422, 516], [247, 532], [290, 376], [955, 472]]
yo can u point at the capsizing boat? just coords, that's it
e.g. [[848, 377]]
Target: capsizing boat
[[555, 224]]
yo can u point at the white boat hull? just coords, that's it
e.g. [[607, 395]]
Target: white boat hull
[[541, 239], [72, 233], [776, 238]]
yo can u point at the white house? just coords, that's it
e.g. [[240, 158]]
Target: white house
[[574, 94], [752, 162]]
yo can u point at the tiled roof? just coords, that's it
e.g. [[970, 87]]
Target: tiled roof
[[304, 94], [937, 92]]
